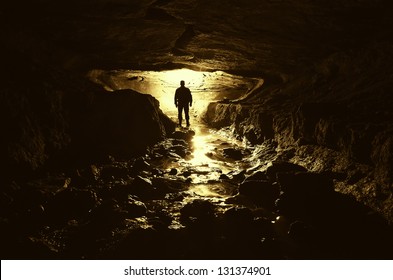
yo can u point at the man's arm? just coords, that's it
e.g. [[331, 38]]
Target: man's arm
[[190, 98], [176, 98]]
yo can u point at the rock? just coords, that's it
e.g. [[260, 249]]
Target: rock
[[186, 173], [122, 123], [282, 166], [142, 187], [71, 203], [183, 135], [233, 153], [257, 176], [197, 212], [238, 219], [224, 177], [305, 184], [106, 216], [262, 193], [237, 175], [382, 156], [173, 171], [111, 172], [140, 164], [135, 208], [300, 232], [180, 150]]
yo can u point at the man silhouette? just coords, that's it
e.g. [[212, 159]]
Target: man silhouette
[[183, 99]]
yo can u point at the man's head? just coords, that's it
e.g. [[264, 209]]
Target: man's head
[[182, 83]]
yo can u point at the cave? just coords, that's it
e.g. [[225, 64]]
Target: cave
[[289, 152]]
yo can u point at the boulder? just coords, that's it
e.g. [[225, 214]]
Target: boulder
[[260, 192], [282, 166], [122, 123], [233, 153], [135, 208]]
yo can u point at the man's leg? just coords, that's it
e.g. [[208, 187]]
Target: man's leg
[[186, 110], [180, 112]]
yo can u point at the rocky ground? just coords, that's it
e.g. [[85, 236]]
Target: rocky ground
[[152, 207]]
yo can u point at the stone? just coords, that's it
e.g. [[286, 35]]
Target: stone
[[140, 164], [198, 211], [142, 187], [183, 135], [233, 153], [135, 208], [306, 184], [257, 176], [71, 203], [122, 123], [262, 193], [282, 166], [173, 171], [111, 172]]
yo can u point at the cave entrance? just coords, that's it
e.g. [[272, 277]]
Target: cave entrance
[[205, 87]]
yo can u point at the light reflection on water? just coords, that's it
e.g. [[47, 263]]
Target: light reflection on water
[[205, 87]]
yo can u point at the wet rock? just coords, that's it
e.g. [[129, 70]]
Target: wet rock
[[142, 187], [180, 150], [197, 212], [282, 166], [238, 219], [168, 185], [140, 164], [300, 232], [106, 216], [306, 196], [262, 193], [71, 203], [257, 176], [111, 172], [306, 184], [233, 153], [186, 173], [237, 175], [183, 135], [135, 208], [224, 177], [84, 177], [173, 171]]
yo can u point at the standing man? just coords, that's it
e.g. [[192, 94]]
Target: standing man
[[183, 99]]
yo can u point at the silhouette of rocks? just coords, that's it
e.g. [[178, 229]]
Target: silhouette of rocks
[[183, 135], [262, 193], [135, 208], [71, 203], [233, 153], [142, 187], [197, 212], [123, 124], [282, 167]]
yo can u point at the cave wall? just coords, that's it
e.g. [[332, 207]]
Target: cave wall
[[338, 107]]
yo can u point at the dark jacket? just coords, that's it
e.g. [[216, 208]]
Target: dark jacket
[[183, 96]]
